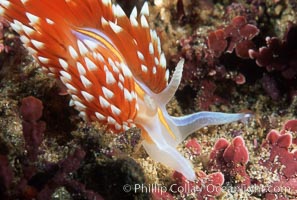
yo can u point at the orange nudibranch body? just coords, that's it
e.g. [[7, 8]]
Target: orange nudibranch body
[[113, 68]]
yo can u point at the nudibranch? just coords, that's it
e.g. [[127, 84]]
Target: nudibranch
[[113, 68]]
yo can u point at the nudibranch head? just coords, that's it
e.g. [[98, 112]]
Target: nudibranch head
[[113, 68]]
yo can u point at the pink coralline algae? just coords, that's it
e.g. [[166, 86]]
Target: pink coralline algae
[[237, 35], [210, 62], [194, 146], [281, 160], [231, 159], [6, 177], [40, 179], [31, 111], [291, 126], [205, 187], [279, 54], [207, 95], [279, 59], [270, 86], [161, 195], [60, 177]]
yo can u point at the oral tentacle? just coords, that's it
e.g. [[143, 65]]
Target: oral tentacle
[[193, 122], [168, 93]]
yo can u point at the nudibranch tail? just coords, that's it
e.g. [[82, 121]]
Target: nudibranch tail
[[113, 68], [169, 156]]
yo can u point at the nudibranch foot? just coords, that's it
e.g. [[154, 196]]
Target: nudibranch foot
[[169, 156]]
